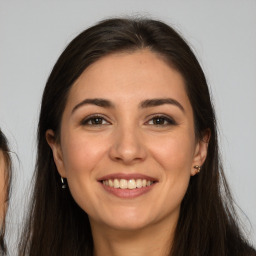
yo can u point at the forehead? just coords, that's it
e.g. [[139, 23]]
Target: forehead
[[129, 76]]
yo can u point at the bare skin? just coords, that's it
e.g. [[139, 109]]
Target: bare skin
[[128, 115], [150, 241], [2, 186]]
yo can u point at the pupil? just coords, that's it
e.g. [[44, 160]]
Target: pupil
[[97, 120], [158, 121]]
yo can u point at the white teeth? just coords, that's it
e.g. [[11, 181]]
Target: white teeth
[[110, 183], [139, 183], [123, 183], [116, 183], [130, 184]]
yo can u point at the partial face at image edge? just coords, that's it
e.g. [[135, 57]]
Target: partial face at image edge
[[3, 187]]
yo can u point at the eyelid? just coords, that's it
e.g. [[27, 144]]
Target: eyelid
[[168, 118], [89, 117]]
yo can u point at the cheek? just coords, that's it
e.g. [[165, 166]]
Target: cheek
[[175, 152], [81, 154], [2, 192], [175, 156], [82, 157]]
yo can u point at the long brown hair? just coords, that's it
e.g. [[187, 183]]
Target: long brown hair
[[7, 185], [56, 225]]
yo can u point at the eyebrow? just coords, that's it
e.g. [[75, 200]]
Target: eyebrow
[[159, 102], [144, 104], [98, 102]]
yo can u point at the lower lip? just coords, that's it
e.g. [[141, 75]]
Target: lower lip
[[128, 193]]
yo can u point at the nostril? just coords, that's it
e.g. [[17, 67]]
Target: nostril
[[127, 148]]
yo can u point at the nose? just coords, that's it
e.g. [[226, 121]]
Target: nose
[[127, 146]]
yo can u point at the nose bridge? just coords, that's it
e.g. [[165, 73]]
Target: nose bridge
[[127, 144]]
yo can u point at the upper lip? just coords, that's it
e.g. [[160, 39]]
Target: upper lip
[[126, 176]]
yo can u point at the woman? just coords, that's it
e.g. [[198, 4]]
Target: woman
[[128, 160], [5, 177]]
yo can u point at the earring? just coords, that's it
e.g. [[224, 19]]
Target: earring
[[198, 168], [63, 183]]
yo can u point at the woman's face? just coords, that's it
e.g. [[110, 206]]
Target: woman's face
[[128, 145], [2, 186]]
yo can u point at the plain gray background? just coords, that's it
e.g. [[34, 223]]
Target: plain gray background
[[221, 33]]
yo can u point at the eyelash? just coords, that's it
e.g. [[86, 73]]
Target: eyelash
[[167, 120], [94, 118], [162, 118]]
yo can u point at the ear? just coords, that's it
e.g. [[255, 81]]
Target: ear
[[201, 151], [56, 151]]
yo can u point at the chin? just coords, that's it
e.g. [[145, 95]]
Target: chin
[[128, 220], [128, 225]]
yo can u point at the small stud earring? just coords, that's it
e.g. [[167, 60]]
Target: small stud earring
[[63, 183], [198, 168]]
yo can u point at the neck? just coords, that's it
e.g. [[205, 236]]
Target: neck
[[150, 241]]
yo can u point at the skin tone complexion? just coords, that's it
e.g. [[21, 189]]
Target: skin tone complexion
[[127, 149], [2, 187]]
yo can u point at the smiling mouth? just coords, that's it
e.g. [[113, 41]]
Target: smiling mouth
[[127, 183]]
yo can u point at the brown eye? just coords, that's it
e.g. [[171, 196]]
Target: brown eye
[[94, 121], [161, 121]]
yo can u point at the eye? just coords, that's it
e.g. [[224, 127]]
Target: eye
[[161, 121], [94, 121]]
